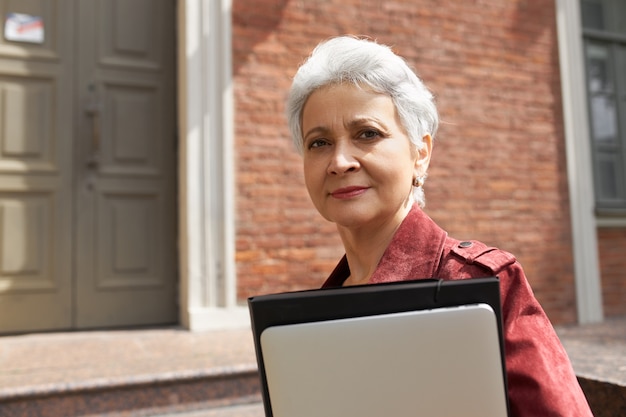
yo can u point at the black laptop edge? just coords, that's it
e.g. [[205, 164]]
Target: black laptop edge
[[368, 300]]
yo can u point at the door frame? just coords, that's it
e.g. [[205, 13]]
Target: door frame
[[579, 172], [208, 290]]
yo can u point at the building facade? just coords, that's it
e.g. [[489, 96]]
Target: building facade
[[206, 205], [511, 162]]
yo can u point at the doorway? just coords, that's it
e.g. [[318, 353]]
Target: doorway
[[87, 164]]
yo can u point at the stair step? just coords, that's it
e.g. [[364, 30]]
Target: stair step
[[145, 396], [132, 372], [237, 410]]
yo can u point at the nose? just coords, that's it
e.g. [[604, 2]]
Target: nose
[[343, 160]]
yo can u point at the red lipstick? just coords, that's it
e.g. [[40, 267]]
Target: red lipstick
[[348, 192]]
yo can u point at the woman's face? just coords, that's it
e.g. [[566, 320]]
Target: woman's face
[[359, 163]]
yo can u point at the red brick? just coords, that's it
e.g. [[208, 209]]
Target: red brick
[[498, 172]]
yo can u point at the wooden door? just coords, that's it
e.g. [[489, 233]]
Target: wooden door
[[87, 165], [126, 270], [36, 89]]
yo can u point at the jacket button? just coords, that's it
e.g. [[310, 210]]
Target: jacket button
[[465, 244]]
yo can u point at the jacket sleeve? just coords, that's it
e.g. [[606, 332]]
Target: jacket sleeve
[[541, 379]]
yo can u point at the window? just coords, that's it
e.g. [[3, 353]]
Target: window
[[604, 33]]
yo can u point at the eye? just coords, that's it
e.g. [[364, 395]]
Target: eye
[[369, 134], [317, 143]]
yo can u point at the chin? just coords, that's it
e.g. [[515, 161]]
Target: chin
[[351, 220]]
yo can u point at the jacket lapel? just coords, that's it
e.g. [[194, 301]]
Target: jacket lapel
[[414, 251]]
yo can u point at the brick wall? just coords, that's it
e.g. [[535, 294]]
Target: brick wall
[[612, 253], [498, 170]]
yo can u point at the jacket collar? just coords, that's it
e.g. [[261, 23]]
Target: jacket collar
[[414, 252]]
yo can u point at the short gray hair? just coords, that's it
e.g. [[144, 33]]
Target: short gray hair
[[367, 63]]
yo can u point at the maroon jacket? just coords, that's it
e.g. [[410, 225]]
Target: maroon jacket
[[541, 381]]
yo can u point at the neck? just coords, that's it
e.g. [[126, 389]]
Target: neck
[[365, 246]]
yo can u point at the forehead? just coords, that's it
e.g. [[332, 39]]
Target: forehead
[[346, 100]]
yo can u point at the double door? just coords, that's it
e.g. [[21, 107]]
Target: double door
[[87, 164]]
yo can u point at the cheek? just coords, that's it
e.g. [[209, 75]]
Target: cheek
[[400, 176], [312, 176]]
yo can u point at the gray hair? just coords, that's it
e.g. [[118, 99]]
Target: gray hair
[[365, 63]]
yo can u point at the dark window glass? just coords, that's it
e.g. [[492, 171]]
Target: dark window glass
[[592, 14], [601, 94], [604, 31]]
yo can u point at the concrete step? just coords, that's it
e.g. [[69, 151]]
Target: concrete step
[[239, 410], [126, 373], [180, 393]]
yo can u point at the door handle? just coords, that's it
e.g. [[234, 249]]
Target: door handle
[[93, 110]]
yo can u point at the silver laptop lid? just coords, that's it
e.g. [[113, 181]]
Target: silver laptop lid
[[438, 362]]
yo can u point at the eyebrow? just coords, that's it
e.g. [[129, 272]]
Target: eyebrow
[[317, 129], [356, 122]]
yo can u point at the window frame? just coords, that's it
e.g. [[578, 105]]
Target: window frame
[[615, 43]]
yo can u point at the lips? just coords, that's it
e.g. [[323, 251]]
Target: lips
[[348, 192]]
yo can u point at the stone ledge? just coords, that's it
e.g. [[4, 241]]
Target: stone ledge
[[126, 372], [137, 398], [605, 399], [598, 355]]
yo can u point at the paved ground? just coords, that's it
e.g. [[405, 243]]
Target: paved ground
[[50, 365], [597, 351], [44, 362]]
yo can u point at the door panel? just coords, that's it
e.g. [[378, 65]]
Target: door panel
[[126, 237], [35, 173], [25, 222], [139, 29], [24, 145], [133, 109], [129, 236]]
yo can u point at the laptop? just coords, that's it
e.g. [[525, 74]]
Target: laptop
[[425, 347]]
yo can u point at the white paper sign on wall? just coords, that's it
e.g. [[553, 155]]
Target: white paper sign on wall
[[20, 27]]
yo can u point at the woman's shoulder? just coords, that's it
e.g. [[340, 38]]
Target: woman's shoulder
[[467, 256]]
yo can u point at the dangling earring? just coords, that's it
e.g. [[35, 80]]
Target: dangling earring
[[418, 182]]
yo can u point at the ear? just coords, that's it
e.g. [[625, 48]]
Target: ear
[[422, 159]]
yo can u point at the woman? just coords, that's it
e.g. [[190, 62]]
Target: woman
[[364, 124]]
